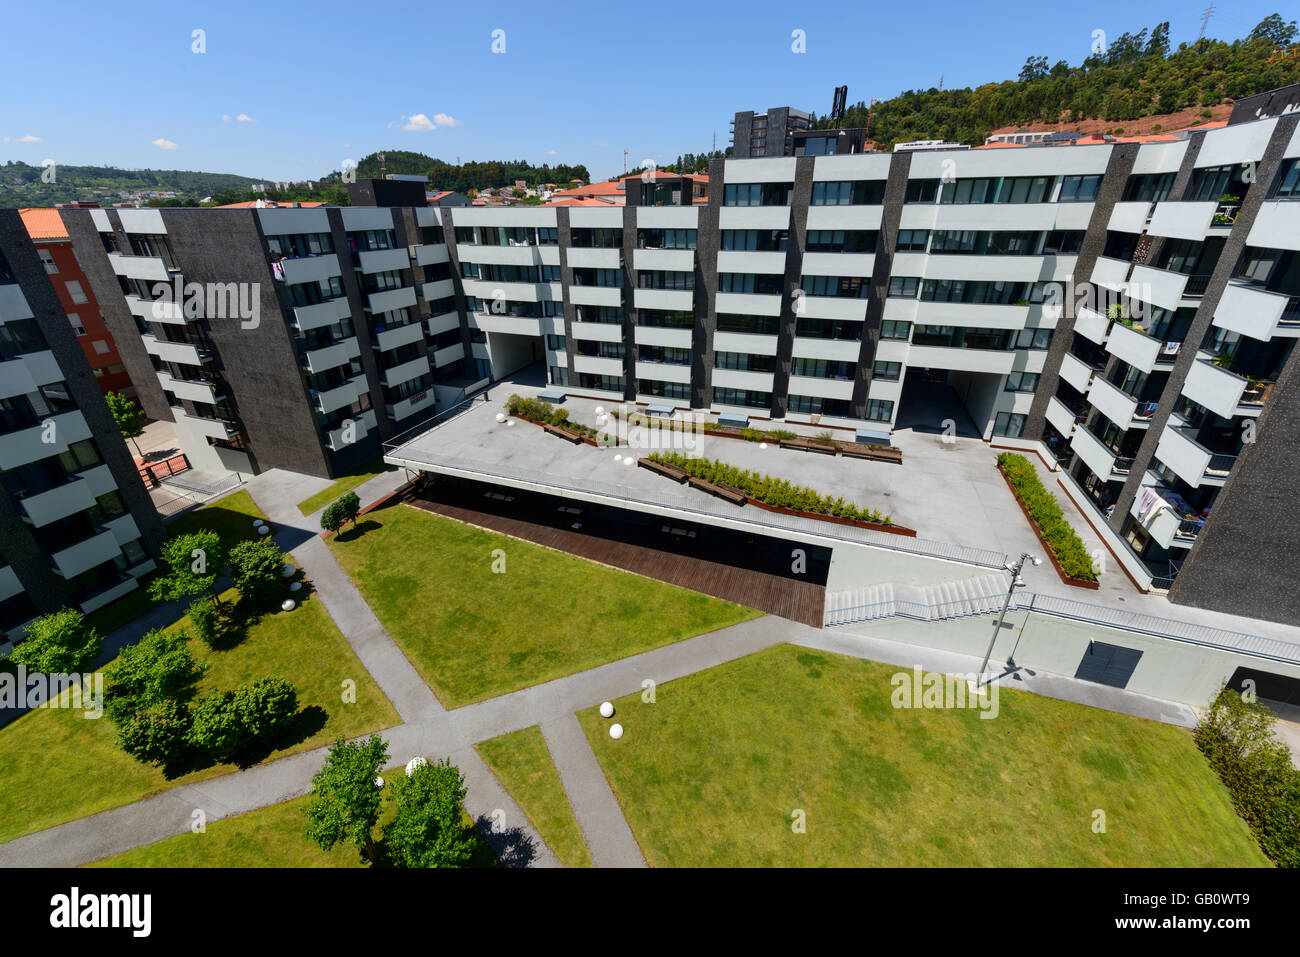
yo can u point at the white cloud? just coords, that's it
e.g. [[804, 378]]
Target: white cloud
[[442, 119], [551, 153], [29, 139], [245, 118], [163, 144], [346, 145], [417, 123]]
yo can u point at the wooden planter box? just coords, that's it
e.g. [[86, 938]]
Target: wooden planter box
[[678, 475], [1051, 555], [809, 445], [856, 523], [565, 434], [725, 492]]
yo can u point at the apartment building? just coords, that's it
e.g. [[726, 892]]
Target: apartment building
[[76, 524], [296, 338], [758, 135], [47, 233], [1128, 310]]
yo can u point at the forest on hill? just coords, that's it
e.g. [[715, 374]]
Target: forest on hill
[[1133, 76], [22, 184]]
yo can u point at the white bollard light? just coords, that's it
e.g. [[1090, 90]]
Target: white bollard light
[[606, 709], [616, 731], [501, 416]]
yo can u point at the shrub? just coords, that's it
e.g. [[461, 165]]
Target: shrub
[[331, 519], [59, 643], [192, 561], [203, 616], [349, 507], [1045, 512], [157, 734], [216, 727], [157, 668], [257, 567], [227, 723], [824, 436]]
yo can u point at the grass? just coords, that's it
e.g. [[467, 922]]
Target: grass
[[522, 763], [61, 766], [344, 484], [475, 634], [268, 837], [713, 772], [231, 518]]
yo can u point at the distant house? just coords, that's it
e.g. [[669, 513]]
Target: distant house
[[446, 197]]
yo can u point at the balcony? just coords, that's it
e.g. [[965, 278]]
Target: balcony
[[771, 263], [664, 336], [1077, 372], [1134, 347], [310, 268], [581, 257], [221, 429], [405, 371], [340, 396], [306, 318], [828, 307], [1130, 217], [1159, 287], [430, 254], [383, 260], [1192, 462], [390, 299], [343, 437], [997, 361], [67, 499], [1183, 220], [158, 310], [837, 350], [1092, 325], [1214, 387], [822, 387], [409, 406], [1111, 273], [443, 322], [597, 295], [598, 365], [196, 389], [1161, 523], [144, 268], [753, 343], [1251, 310], [182, 352], [663, 371], [331, 356], [448, 354], [85, 555], [1112, 402], [742, 379], [515, 325], [1061, 416], [393, 337], [13, 304], [438, 289], [671, 300], [1098, 456]]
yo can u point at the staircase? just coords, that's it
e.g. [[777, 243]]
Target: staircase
[[981, 595]]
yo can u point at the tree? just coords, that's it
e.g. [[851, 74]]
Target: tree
[[159, 667], [130, 418], [345, 801], [1035, 68], [256, 567], [156, 734], [192, 561], [216, 727], [349, 507], [1275, 31], [59, 643], [266, 706], [331, 519], [428, 830], [203, 616]]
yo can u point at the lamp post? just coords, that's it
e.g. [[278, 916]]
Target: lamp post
[[1016, 582]]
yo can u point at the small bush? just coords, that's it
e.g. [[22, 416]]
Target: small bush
[[257, 566], [203, 616], [1045, 512]]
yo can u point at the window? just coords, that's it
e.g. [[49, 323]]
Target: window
[[754, 325], [848, 193], [904, 287], [667, 355], [822, 368], [1011, 189], [880, 410], [1021, 382], [921, 191], [912, 240], [743, 397], [469, 270], [665, 390], [100, 347], [75, 291], [77, 327], [1079, 189], [744, 361], [887, 370], [1033, 338], [1009, 424], [1288, 180], [757, 194], [762, 283], [548, 236], [843, 287], [1148, 188], [555, 343], [1063, 242], [814, 405], [895, 329], [47, 260], [749, 240], [840, 241]]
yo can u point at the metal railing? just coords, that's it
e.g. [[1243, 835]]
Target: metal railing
[[440, 418], [1220, 464]]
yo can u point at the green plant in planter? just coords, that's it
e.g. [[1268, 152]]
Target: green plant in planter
[[824, 436]]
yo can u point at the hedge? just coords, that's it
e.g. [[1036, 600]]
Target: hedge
[[777, 492], [1046, 513], [536, 410]]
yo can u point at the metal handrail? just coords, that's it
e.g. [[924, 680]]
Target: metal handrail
[[440, 418]]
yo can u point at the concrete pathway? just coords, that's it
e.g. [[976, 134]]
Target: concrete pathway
[[608, 837]]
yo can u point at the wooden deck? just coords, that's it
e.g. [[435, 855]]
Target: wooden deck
[[799, 601]]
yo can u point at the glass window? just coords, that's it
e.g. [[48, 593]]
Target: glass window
[[1009, 424], [895, 329], [912, 240], [880, 410], [1021, 382], [904, 287], [887, 370]]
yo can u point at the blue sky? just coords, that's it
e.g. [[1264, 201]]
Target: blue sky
[[119, 83]]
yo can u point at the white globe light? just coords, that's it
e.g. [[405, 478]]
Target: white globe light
[[296, 586], [618, 458], [510, 423], [501, 416], [629, 461], [415, 764], [762, 445], [606, 709], [258, 523], [379, 782], [288, 605], [288, 571], [616, 731], [264, 529], [600, 410]]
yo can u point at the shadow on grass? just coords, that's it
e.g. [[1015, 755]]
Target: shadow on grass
[[356, 531], [306, 723], [512, 847]]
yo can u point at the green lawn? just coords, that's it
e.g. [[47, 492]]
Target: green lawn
[[522, 763], [60, 765], [476, 634], [344, 484], [713, 772], [270, 837]]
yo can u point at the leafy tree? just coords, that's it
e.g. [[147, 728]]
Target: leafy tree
[[266, 707], [227, 723], [159, 667], [1035, 68], [217, 728], [428, 830], [349, 507], [130, 418], [203, 616], [345, 801], [331, 519], [59, 643], [256, 567], [1274, 31], [156, 734], [192, 561]]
